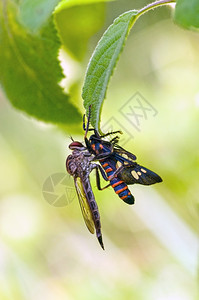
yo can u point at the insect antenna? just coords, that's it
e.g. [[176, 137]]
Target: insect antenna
[[71, 138]]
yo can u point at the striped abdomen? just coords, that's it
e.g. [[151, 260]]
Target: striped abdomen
[[119, 186], [93, 207]]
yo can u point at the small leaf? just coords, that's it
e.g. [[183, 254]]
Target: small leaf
[[187, 14], [103, 62], [29, 68]]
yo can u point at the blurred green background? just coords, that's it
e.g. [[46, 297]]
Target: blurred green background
[[151, 248]]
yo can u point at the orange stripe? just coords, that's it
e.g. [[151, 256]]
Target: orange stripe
[[117, 183], [129, 193], [124, 197], [121, 190], [101, 146], [108, 170], [93, 146], [104, 165]]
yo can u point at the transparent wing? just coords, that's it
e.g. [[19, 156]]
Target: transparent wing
[[85, 208]]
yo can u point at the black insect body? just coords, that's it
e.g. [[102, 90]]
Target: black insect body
[[118, 184], [78, 164], [119, 164]]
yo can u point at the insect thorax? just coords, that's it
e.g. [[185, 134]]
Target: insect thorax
[[79, 163]]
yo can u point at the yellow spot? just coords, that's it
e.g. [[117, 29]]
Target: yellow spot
[[126, 163], [118, 164], [143, 170], [134, 174], [139, 173], [125, 156]]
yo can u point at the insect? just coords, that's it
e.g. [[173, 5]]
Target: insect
[[79, 165], [119, 164]]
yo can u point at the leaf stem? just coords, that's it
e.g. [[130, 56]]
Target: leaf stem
[[154, 5]]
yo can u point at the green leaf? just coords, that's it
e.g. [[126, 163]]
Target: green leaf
[[33, 14], [29, 68], [68, 3], [187, 14], [103, 62]]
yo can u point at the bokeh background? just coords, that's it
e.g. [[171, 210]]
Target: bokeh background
[[151, 248]]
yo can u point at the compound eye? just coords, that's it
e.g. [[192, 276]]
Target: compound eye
[[75, 145]]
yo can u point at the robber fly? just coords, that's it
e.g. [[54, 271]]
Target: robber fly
[[79, 165], [120, 165]]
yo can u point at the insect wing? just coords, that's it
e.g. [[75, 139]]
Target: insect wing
[[85, 208], [139, 174], [123, 155]]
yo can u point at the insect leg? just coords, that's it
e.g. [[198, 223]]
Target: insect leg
[[86, 127], [115, 140], [84, 123], [102, 155], [116, 173], [112, 132], [99, 168], [102, 172], [98, 180]]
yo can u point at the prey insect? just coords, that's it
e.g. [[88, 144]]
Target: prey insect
[[79, 165], [119, 164]]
